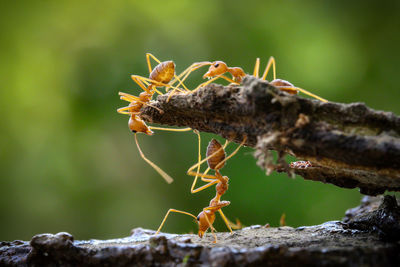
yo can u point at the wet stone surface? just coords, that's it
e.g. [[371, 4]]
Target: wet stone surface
[[379, 215], [361, 239]]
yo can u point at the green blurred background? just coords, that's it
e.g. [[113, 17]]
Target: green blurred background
[[67, 159]]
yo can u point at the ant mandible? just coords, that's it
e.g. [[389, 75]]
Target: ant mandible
[[218, 68], [216, 160]]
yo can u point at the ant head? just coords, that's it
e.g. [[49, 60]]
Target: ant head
[[216, 68], [214, 162], [136, 125], [205, 223]]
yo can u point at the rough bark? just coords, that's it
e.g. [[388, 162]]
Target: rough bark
[[348, 145], [369, 236]]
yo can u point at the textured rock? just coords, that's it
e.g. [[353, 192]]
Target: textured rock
[[373, 215], [361, 239]]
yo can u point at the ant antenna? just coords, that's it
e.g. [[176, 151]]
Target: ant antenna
[[167, 178]]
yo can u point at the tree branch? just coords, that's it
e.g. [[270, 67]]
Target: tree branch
[[348, 145]]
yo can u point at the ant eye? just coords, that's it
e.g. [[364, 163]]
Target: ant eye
[[198, 218], [216, 65]]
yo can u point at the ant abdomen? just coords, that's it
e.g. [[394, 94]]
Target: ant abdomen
[[282, 85], [163, 72], [215, 147]]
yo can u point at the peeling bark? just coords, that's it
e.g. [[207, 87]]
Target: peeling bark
[[348, 145]]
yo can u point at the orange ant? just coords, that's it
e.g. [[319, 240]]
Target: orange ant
[[282, 220], [216, 159], [161, 75], [218, 68]]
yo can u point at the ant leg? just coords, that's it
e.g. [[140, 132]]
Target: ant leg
[[128, 97], [271, 61], [232, 154], [212, 179], [155, 83], [173, 92], [188, 70], [173, 210], [194, 67], [144, 103], [290, 89], [167, 178], [204, 176], [211, 183], [256, 68], [199, 157], [210, 224], [198, 174], [213, 79], [282, 220], [170, 95], [124, 110], [227, 79], [170, 129], [181, 83], [237, 225], [192, 190], [131, 98], [148, 55], [152, 83], [136, 79], [205, 83], [226, 221]]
